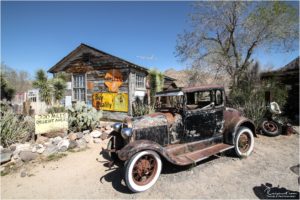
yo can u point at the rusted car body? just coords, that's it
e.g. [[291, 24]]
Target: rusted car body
[[190, 125]]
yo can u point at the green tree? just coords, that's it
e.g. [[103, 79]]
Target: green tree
[[7, 92], [224, 35], [42, 83], [59, 88], [156, 80]]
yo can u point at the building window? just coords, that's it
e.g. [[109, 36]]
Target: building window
[[32, 99], [79, 87], [140, 81]]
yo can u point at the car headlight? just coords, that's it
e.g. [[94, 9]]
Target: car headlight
[[126, 132], [117, 127]]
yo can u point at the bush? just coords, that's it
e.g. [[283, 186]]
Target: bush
[[141, 108], [251, 101], [83, 118], [56, 109], [14, 128]]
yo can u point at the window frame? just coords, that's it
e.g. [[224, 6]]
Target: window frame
[[140, 81], [79, 87]]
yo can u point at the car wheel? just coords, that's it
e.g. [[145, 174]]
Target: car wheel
[[270, 127], [142, 171], [244, 142]]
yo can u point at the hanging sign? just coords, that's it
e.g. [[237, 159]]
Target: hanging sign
[[111, 101]]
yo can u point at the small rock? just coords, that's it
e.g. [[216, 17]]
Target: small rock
[[13, 147], [40, 149], [104, 136], [87, 138], [97, 140], [23, 173], [6, 155], [22, 147], [1, 148], [86, 132], [56, 140], [96, 133], [53, 135], [27, 156], [33, 150], [72, 136], [41, 139], [63, 145], [81, 143], [73, 144], [52, 149], [108, 127], [79, 135]]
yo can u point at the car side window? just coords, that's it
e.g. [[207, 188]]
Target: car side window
[[219, 98], [198, 100]]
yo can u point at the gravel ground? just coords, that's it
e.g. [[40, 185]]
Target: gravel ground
[[79, 175]]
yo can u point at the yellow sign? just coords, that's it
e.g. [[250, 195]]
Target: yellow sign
[[51, 123], [111, 101]]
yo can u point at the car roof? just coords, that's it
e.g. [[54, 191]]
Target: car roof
[[176, 92], [202, 88]]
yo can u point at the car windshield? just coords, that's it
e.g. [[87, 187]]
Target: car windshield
[[168, 102]]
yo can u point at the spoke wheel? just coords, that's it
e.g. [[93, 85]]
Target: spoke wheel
[[244, 142], [270, 126], [142, 170]]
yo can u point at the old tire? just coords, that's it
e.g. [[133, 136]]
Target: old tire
[[142, 171], [270, 127], [244, 142]]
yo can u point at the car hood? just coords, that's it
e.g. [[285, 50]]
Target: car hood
[[150, 120]]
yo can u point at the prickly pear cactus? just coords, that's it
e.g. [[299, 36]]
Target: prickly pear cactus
[[81, 117]]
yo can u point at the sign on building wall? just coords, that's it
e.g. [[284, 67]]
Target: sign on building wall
[[113, 80], [111, 101], [51, 123]]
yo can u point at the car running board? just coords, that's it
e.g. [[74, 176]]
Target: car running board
[[193, 157]]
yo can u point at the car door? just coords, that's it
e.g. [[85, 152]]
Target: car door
[[200, 115], [219, 111]]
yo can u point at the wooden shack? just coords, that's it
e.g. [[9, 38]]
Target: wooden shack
[[102, 80], [288, 75]]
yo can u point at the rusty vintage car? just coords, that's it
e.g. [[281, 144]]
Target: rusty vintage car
[[189, 125]]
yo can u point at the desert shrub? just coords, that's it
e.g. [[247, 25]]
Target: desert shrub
[[56, 109], [141, 108], [81, 117], [249, 95], [14, 128]]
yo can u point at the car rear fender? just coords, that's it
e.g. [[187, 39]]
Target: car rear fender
[[232, 128]]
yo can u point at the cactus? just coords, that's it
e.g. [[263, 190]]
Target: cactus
[[81, 117]]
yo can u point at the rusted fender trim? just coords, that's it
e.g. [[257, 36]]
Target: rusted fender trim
[[233, 127], [139, 145]]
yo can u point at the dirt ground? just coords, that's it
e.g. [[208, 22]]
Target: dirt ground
[[79, 175]]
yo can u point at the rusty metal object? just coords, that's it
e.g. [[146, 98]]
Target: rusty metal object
[[144, 170], [178, 154]]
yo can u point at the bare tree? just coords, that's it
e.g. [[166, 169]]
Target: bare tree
[[224, 35]]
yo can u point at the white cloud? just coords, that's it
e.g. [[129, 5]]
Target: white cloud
[[152, 57]]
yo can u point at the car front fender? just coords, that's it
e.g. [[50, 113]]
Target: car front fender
[[139, 145]]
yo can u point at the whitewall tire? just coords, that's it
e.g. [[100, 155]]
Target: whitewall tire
[[143, 170], [244, 142]]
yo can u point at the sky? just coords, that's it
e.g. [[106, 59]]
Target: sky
[[37, 35]]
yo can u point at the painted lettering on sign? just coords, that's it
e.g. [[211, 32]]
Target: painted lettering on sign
[[111, 101], [51, 123]]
